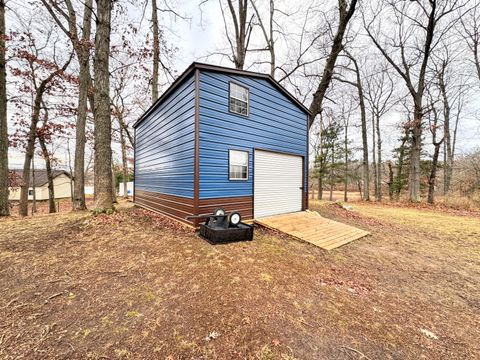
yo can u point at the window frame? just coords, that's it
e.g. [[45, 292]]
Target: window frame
[[248, 165], [230, 96]]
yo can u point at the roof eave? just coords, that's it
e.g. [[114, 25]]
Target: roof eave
[[223, 69]]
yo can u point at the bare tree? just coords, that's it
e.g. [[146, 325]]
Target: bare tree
[[4, 206], [119, 112], [412, 61], [345, 12], [470, 31], [81, 44], [267, 33], [40, 90], [156, 50], [102, 121], [46, 157], [34, 190], [157, 44], [242, 27], [452, 89], [345, 115], [357, 83], [434, 125], [378, 92]]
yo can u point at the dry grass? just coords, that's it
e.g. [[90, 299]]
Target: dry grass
[[136, 285], [336, 195], [455, 201]]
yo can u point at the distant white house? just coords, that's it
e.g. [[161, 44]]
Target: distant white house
[[129, 189], [61, 185]]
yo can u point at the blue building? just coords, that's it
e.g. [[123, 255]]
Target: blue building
[[221, 137]]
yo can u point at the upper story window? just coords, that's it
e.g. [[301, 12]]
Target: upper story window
[[238, 165], [238, 99]]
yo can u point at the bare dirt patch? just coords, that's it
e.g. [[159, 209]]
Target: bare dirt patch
[[138, 285]]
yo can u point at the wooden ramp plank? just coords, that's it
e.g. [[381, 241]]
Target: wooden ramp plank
[[310, 227]]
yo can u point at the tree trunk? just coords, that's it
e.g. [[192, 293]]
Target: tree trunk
[[80, 140], [48, 168], [398, 182], [379, 159], [448, 157], [114, 185], [321, 160], [363, 118], [4, 205], [102, 121], [331, 173], [345, 180], [241, 35], [29, 153], [34, 188], [124, 163], [156, 51], [365, 167], [433, 174], [82, 49], [390, 181], [374, 159], [345, 14], [415, 154], [320, 187], [269, 40]]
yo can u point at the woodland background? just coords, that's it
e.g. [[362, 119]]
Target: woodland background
[[391, 85]]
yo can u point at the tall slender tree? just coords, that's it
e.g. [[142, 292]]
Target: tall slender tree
[[379, 91], [268, 33], [4, 206], [433, 119], [82, 45], [156, 50], [357, 83], [40, 90], [42, 134], [102, 122]]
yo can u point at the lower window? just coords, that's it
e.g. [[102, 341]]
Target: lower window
[[238, 165]]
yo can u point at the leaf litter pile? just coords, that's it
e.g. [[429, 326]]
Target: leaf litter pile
[[139, 285]]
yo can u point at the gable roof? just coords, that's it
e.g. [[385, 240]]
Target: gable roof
[[224, 70], [40, 176]]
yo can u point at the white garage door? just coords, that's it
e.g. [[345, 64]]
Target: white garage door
[[277, 183]]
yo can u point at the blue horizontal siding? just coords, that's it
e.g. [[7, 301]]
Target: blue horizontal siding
[[274, 123], [164, 145]]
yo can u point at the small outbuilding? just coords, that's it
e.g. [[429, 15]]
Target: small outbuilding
[[222, 137], [62, 184]]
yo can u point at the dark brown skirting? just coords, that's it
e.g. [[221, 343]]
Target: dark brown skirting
[[180, 208], [177, 207], [242, 204]]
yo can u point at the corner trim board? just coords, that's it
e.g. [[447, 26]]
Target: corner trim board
[[196, 165]]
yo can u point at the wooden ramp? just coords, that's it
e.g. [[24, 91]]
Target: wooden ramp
[[309, 226]]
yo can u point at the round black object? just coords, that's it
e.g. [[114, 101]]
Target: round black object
[[234, 218], [218, 212]]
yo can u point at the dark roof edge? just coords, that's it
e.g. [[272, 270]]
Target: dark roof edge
[[223, 69], [42, 172]]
